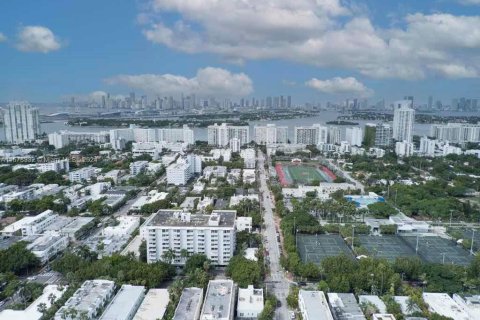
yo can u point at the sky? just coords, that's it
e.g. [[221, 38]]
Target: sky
[[313, 50]]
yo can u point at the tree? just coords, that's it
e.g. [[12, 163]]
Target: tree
[[18, 259], [42, 308], [292, 298], [143, 251], [169, 256], [244, 272], [195, 261]]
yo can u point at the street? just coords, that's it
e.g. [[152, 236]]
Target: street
[[277, 283]]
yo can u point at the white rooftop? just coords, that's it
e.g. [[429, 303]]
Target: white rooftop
[[31, 312], [154, 305], [375, 300], [315, 305], [123, 303], [444, 305]]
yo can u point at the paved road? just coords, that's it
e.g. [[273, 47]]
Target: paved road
[[277, 283]]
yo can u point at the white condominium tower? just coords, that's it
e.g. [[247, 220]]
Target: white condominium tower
[[456, 132], [220, 135], [270, 134], [21, 122], [170, 232], [403, 119], [315, 134]]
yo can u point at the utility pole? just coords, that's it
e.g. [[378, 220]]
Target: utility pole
[[473, 238]]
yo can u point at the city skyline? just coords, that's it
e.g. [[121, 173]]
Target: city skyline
[[338, 50]]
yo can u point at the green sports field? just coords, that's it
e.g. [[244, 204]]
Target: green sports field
[[304, 174]]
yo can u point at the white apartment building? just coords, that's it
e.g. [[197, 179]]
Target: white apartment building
[[219, 301], [63, 138], [313, 305], [125, 304], [153, 149], [154, 305], [21, 122], [444, 305], [180, 172], [244, 224], [404, 149], [235, 144], [89, 299], [354, 136], [270, 134], [56, 165], [80, 175], [220, 135], [167, 135], [312, 135], [36, 225], [250, 303], [383, 135], [334, 135], [427, 147], [138, 167], [403, 119], [456, 132], [190, 304], [249, 158], [212, 235], [47, 246], [448, 149]]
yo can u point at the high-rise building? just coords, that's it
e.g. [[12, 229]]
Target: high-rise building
[[21, 122], [220, 135], [404, 149], [334, 135], [456, 132], [427, 147], [354, 136], [430, 103], [383, 135], [270, 134], [313, 135], [289, 102], [403, 119], [176, 230]]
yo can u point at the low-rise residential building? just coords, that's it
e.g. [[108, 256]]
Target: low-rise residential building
[[77, 227], [39, 223], [383, 316], [154, 305], [153, 196], [249, 158], [404, 148], [125, 304], [469, 303], [244, 224], [180, 172], [47, 246], [375, 301], [235, 200], [190, 304], [444, 305], [126, 225], [219, 301], [313, 305], [215, 172], [80, 175], [250, 303], [138, 167], [323, 191], [32, 311], [249, 176], [61, 165], [344, 306], [88, 300], [212, 235], [153, 149]]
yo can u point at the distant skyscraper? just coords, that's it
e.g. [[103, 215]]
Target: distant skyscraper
[[430, 103], [403, 119], [409, 98], [289, 102], [21, 122]]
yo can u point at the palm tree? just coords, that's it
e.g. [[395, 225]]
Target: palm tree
[[168, 256], [42, 308], [52, 298], [411, 306], [184, 254]]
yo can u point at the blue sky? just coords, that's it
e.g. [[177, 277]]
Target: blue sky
[[314, 52]]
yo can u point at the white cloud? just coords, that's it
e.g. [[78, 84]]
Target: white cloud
[[3, 37], [37, 39], [323, 33], [341, 86], [207, 81]]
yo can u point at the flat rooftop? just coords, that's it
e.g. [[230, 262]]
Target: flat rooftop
[[124, 302], [154, 305], [316, 306], [88, 294], [444, 305], [344, 306], [189, 303], [171, 218], [375, 300], [219, 299]]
